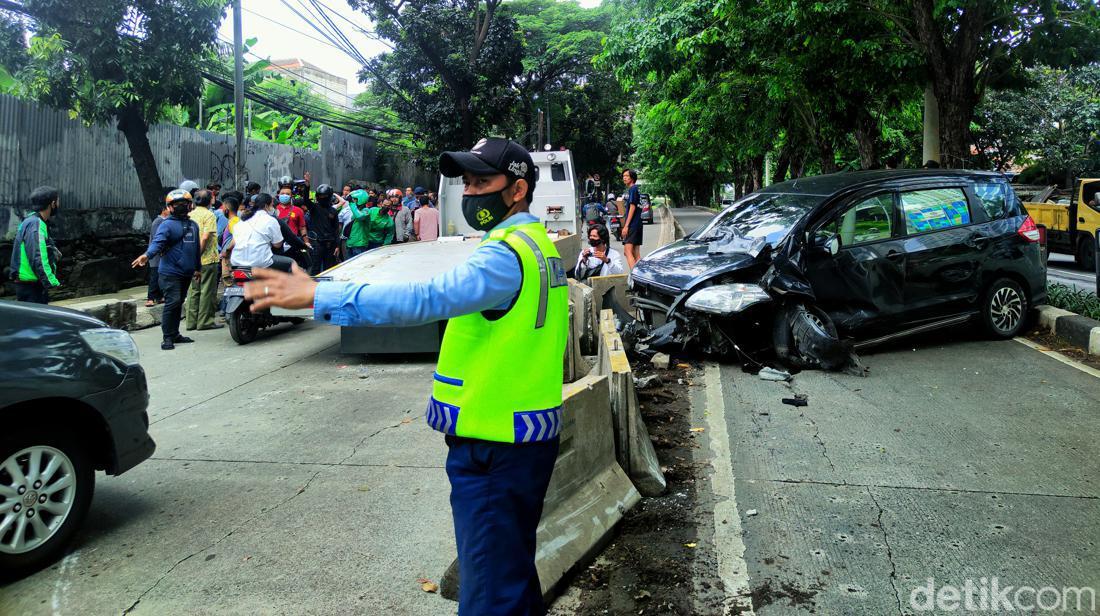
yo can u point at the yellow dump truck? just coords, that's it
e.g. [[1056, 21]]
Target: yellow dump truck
[[1072, 222]]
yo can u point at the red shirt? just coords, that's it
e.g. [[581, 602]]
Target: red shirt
[[294, 216]]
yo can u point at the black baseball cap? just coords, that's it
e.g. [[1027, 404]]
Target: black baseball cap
[[490, 157]]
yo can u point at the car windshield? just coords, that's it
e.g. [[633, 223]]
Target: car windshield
[[761, 215]]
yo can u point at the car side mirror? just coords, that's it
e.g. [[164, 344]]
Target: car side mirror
[[833, 245]]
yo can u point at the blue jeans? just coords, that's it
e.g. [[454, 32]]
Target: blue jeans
[[497, 490]]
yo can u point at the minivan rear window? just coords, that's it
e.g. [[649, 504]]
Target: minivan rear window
[[992, 196], [934, 210], [557, 172]]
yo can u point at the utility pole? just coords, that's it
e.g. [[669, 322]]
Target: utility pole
[[238, 92], [538, 144], [931, 150]]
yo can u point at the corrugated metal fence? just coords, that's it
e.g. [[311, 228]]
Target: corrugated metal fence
[[93, 169]]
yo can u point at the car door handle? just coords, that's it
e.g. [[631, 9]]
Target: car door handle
[[895, 255], [977, 240]]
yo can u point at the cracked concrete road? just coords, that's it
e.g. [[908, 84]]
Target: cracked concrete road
[[958, 459], [288, 479]]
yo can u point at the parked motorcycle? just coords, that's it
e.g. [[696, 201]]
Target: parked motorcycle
[[244, 324]]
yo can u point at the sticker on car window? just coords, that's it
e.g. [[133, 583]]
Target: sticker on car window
[[938, 216]]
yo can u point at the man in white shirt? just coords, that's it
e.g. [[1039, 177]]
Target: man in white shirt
[[598, 258], [255, 237]]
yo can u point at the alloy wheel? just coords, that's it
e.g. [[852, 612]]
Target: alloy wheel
[[1006, 309], [37, 493]]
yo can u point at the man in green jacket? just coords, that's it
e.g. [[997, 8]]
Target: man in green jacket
[[33, 256], [359, 203]]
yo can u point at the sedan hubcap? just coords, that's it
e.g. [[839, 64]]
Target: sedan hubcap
[[1006, 309], [37, 492]]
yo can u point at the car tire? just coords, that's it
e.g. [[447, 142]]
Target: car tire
[[1004, 309], [52, 513], [1086, 253]]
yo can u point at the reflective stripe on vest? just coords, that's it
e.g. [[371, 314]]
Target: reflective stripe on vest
[[499, 379]]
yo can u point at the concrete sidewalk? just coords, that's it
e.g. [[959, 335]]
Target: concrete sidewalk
[[124, 310]]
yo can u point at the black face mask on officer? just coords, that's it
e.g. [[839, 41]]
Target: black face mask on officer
[[483, 212]]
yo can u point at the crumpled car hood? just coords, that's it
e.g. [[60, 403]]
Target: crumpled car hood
[[681, 263]]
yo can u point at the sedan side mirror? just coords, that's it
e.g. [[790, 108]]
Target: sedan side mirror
[[833, 245]]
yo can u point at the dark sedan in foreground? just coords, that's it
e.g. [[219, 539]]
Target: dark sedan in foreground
[[73, 399], [816, 267]]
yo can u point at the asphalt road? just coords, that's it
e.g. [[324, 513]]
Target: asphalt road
[[1061, 268], [288, 479], [955, 460], [691, 218]]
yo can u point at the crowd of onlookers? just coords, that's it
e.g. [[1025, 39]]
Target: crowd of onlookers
[[202, 233]]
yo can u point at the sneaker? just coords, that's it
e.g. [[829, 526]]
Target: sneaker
[[167, 345], [211, 326], [182, 340]]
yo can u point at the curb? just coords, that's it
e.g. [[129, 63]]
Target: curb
[[129, 315], [1078, 330]]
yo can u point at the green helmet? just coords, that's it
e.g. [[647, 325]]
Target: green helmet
[[359, 197]]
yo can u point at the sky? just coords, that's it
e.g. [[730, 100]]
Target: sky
[[273, 24]]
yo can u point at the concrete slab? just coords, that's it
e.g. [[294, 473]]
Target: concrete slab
[[953, 461]]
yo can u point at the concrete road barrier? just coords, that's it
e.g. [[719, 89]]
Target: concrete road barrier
[[584, 300], [633, 448], [589, 492], [615, 286], [576, 366]]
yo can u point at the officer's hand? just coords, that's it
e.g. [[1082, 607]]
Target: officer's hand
[[274, 288], [140, 261]]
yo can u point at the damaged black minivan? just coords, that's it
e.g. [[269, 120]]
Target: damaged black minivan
[[815, 268]]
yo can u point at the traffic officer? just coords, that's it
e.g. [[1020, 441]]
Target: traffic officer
[[33, 255], [507, 305]]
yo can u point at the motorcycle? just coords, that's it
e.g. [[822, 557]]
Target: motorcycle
[[614, 225], [244, 324]]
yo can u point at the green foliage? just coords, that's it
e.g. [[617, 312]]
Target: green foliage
[[1051, 119], [450, 68], [1075, 300], [96, 57], [588, 111]]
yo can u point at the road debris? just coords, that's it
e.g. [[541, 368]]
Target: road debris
[[661, 361], [427, 585], [771, 374], [647, 381], [797, 400]]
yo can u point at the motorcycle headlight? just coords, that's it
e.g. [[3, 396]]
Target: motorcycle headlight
[[112, 343], [727, 298]]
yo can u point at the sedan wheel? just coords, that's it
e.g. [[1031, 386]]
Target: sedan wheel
[[46, 485], [1004, 309]]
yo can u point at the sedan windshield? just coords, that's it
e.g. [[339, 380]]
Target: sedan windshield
[[761, 215]]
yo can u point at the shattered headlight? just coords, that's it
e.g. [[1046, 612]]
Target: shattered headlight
[[727, 298]]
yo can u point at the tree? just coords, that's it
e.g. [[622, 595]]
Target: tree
[[450, 67], [586, 109], [970, 45], [120, 60], [1052, 122]]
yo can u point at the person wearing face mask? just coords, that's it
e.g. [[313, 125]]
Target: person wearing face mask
[[178, 245], [508, 302], [292, 215], [598, 259], [33, 255], [380, 231]]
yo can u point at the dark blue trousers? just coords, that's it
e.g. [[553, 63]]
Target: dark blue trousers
[[497, 491]]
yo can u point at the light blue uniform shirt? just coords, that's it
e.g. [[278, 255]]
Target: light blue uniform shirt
[[489, 280]]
